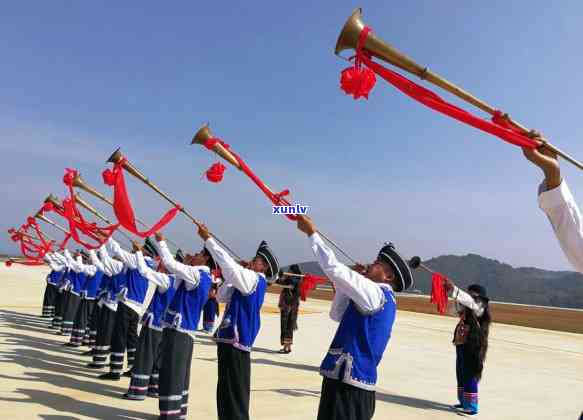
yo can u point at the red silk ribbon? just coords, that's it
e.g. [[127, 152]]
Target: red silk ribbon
[[309, 283], [439, 292], [499, 126], [122, 205], [276, 198]]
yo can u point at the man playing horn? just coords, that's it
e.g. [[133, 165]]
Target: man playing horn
[[51, 290], [365, 306], [556, 200], [243, 291], [192, 281]]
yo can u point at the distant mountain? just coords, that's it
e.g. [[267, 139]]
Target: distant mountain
[[526, 285]]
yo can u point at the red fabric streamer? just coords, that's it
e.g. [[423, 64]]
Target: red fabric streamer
[[122, 205], [309, 283], [276, 198], [215, 172], [499, 126], [439, 292]]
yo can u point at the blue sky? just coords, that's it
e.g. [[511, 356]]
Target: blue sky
[[79, 79]]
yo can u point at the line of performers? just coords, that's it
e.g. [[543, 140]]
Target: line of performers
[[99, 302]]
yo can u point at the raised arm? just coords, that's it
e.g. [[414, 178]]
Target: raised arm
[[364, 292], [53, 262], [233, 273], [74, 264], [468, 301], [111, 266], [188, 273], [96, 261], [159, 279], [128, 258], [565, 217]]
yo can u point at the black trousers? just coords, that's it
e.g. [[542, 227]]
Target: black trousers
[[340, 401], [81, 324], [124, 337], [145, 373], [49, 299], [288, 323], [93, 324], [234, 383], [176, 358], [59, 305], [104, 332], [71, 308]]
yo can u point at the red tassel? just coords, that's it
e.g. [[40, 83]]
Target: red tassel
[[8, 263], [309, 283], [215, 172], [108, 177], [439, 292], [357, 81]]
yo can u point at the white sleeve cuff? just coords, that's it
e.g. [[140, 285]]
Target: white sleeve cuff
[[556, 197]]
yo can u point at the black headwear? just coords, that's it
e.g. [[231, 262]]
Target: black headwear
[[150, 248], [480, 291], [389, 255], [273, 265], [179, 256]]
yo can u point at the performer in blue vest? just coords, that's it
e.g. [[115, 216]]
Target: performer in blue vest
[[146, 372], [210, 312], [52, 290], [115, 281], [131, 298], [76, 277], [93, 278], [243, 291], [62, 292], [365, 306], [192, 282], [100, 296]]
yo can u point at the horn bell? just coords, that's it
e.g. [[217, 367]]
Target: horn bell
[[115, 156], [348, 37], [202, 135]]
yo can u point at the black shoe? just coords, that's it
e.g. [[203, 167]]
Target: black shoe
[[457, 406], [88, 353], [128, 374], [69, 344], [110, 376], [132, 397], [152, 394], [95, 366]]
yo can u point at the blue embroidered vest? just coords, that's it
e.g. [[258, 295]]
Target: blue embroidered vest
[[103, 288], [54, 277], [92, 285], [158, 305], [359, 344], [77, 281], [184, 311], [242, 318], [135, 288]]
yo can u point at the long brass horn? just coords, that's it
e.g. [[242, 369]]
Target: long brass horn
[[78, 182], [348, 39], [50, 222], [203, 134], [117, 157]]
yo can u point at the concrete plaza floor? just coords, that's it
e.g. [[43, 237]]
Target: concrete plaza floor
[[530, 373]]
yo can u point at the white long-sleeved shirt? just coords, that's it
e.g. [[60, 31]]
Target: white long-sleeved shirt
[[463, 298], [234, 275], [111, 267], [161, 280], [129, 259], [74, 264], [565, 217], [189, 274], [96, 261], [350, 285], [54, 263]]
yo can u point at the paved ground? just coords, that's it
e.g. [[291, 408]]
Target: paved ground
[[530, 373]]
